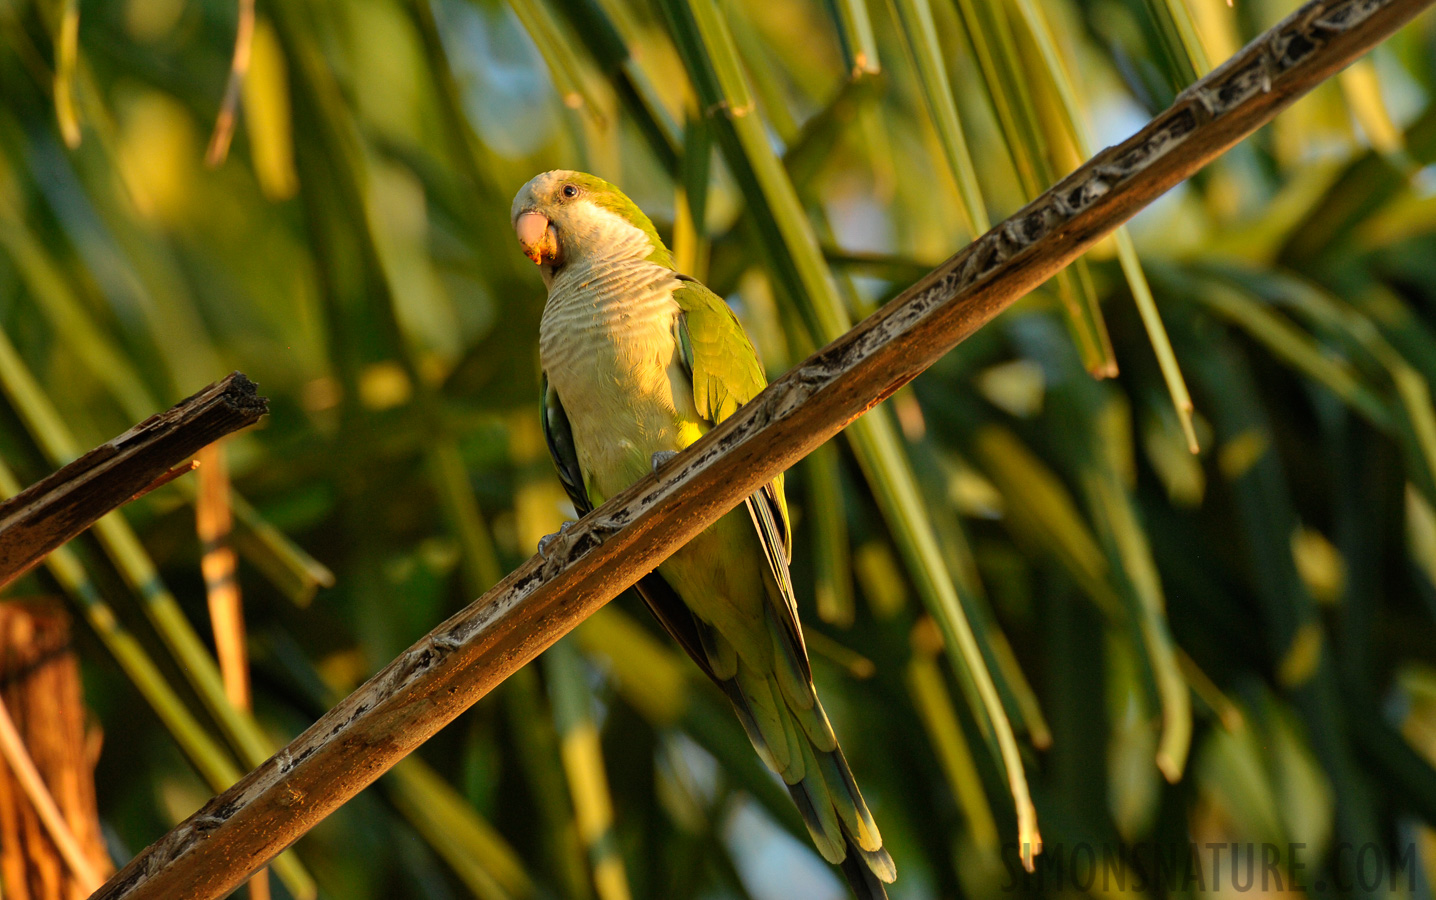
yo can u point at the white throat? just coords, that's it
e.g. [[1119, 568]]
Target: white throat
[[618, 237]]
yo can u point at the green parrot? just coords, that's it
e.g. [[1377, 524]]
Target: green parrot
[[638, 362]]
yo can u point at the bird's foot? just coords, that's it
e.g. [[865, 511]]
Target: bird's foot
[[661, 457], [547, 540]]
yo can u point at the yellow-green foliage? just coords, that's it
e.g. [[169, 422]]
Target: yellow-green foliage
[[1016, 579]]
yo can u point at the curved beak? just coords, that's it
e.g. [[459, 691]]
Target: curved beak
[[537, 237]]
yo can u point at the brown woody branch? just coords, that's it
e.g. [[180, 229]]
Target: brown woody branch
[[51, 511], [465, 657]]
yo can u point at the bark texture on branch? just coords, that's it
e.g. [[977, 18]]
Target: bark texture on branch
[[51, 511], [465, 657], [40, 681]]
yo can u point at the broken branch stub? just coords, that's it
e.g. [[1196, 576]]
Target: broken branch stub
[[55, 509]]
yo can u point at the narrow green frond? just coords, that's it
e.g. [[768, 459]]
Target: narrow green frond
[[855, 30], [921, 36]]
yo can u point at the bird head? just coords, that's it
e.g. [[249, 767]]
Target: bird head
[[562, 217]]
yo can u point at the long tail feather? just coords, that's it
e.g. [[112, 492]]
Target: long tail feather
[[828, 799], [789, 728], [862, 879]]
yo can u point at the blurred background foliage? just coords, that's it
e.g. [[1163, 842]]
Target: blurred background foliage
[[1017, 579]]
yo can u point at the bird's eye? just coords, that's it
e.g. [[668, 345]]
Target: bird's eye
[[570, 191]]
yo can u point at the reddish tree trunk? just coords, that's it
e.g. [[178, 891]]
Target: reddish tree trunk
[[40, 681]]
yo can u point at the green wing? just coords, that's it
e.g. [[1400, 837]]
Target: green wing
[[724, 370], [558, 434]]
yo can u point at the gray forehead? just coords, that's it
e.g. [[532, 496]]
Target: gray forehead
[[536, 187], [523, 198]]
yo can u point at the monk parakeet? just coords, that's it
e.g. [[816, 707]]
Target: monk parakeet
[[639, 361]]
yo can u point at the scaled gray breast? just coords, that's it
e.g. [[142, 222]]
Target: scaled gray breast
[[606, 313]]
